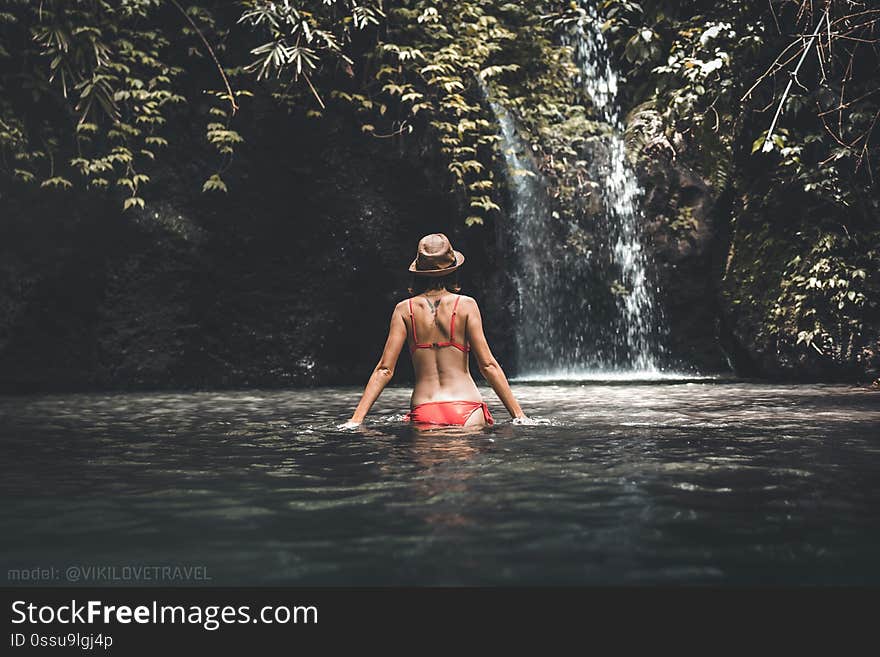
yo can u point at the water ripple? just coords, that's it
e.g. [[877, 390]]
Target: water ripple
[[649, 482]]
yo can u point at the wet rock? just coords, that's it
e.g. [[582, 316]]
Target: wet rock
[[683, 239]]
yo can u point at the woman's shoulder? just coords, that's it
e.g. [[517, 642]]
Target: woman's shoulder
[[464, 301]]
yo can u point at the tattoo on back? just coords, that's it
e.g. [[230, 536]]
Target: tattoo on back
[[435, 306]]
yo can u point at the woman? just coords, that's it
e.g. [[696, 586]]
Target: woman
[[441, 327]]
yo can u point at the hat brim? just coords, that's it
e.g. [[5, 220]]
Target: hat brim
[[459, 261]]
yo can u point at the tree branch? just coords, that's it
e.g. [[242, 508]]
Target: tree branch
[[768, 144], [213, 55]]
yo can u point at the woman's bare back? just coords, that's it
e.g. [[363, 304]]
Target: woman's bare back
[[439, 349], [438, 346]]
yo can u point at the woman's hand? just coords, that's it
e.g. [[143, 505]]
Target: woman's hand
[[383, 371]]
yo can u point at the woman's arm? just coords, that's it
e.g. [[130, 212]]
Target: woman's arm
[[489, 367], [384, 369]]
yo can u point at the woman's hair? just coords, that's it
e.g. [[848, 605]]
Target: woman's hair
[[419, 284]]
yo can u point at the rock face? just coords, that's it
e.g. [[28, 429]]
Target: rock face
[[288, 279], [685, 235]]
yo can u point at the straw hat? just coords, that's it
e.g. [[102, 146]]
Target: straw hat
[[436, 257]]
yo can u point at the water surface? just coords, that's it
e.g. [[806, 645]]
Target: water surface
[[653, 483]]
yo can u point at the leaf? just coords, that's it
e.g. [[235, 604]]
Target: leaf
[[132, 201], [58, 182], [484, 203], [756, 145], [215, 183]]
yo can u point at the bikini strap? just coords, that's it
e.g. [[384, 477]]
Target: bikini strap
[[452, 321], [412, 322]]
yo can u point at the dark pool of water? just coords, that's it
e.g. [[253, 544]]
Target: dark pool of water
[[654, 483]]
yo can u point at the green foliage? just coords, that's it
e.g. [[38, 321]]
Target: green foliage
[[428, 72], [433, 69], [716, 70], [115, 74], [302, 34], [87, 87], [214, 183], [100, 88], [829, 296], [800, 282], [808, 294]]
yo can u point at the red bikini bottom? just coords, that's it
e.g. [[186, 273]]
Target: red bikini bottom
[[447, 412]]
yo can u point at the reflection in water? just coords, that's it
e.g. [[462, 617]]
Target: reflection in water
[[700, 482], [437, 448], [440, 456]]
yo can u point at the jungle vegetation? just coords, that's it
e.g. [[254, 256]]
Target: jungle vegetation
[[774, 103]]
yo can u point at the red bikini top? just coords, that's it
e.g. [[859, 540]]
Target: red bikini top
[[431, 345]]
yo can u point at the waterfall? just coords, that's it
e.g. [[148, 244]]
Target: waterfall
[[541, 326], [622, 194], [590, 312]]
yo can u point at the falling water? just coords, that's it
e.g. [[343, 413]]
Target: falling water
[[565, 328], [622, 194], [541, 320]]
